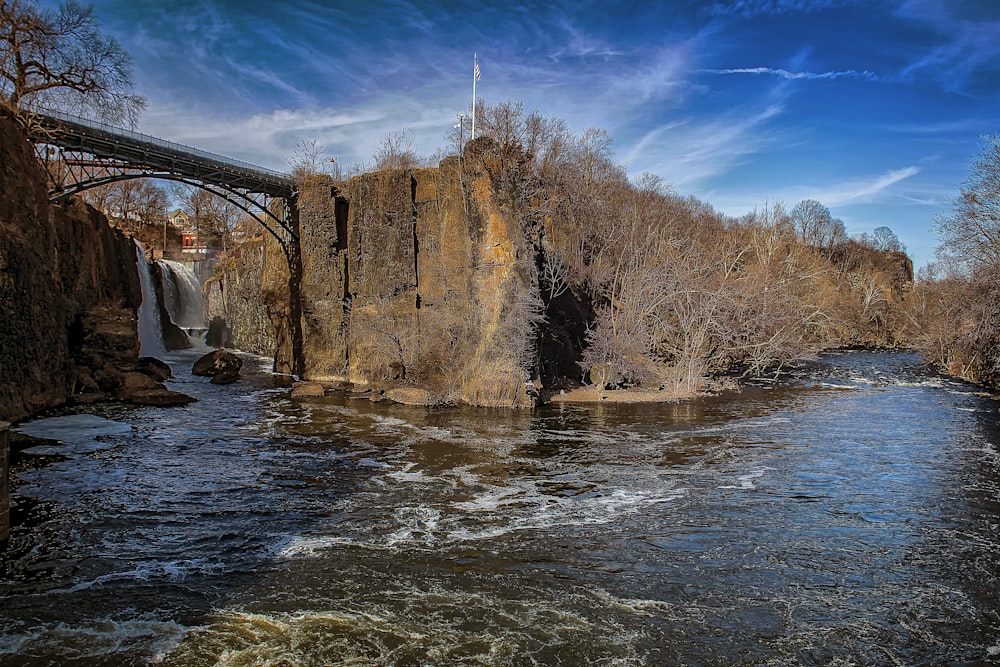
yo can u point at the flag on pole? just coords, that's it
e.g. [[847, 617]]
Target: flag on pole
[[475, 77]]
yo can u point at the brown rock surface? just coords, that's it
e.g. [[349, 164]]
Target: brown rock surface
[[427, 275], [409, 396], [307, 390], [63, 270], [161, 397], [218, 363]]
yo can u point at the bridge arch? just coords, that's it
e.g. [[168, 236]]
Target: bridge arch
[[80, 154], [259, 209]]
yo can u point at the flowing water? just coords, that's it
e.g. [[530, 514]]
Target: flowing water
[[150, 336], [847, 514], [182, 297]]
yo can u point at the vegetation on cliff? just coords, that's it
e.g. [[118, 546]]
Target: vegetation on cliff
[[529, 261], [957, 301], [674, 293]]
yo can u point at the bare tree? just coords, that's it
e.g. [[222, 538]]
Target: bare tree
[[309, 159], [970, 234], [60, 58], [130, 204], [885, 239], [395, 152], [815, 225], [554, 275], [957, 302]]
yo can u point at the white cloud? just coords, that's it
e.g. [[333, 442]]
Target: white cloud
[[792, 76], [686, 152], [863, 190], [268, 139], [860, 190]]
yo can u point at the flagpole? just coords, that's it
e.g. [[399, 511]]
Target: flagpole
[[475, 71]]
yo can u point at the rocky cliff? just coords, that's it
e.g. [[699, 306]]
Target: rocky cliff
[[420, 280], [69, 293]]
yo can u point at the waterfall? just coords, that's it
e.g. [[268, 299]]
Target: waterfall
[[182, 297], [150, 334]]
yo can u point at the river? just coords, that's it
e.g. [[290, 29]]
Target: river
[[847, 514]]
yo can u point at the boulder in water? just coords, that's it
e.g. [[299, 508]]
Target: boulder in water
[[218, 334], [307, 389], [219, 363], [140, 388], [409, 396], [163, 397], [226, 377], [135, 381], [154, 368]]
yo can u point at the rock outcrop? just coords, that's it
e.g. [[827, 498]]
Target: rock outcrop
[[249, 299], [69, 293], [409, 279], [420, 279]]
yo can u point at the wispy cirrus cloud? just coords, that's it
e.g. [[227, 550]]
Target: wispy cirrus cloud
[[690, 151], [267, 139], [852, 196], [860, 190], [794, 76], [964, 60], [750, 8]]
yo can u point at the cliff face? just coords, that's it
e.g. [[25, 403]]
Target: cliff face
[[69, 291], [410, 278], [233, 295]]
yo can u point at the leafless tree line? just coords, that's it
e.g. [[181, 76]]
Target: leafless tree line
[[680, 293], [955, 307]]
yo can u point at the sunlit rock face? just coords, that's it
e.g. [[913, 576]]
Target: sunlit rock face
[[419, 278], [410, 278]]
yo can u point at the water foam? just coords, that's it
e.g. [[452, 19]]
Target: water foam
[[62, 643], [420, 626], [172, 571]]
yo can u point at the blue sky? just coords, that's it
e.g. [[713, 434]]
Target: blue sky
[[873, 107]]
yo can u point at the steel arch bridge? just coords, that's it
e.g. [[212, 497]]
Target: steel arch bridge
[[79, 154]]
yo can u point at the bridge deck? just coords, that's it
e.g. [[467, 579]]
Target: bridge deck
[[157, 155]]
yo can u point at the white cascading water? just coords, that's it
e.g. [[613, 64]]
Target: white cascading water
[[183, 298], [150, 333]]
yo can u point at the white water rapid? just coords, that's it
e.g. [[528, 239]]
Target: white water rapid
[[150, 333]]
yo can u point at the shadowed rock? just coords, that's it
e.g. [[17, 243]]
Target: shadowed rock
[[154, 368], [160, 396], [221, 364]]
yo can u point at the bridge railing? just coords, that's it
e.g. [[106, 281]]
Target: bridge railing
[[156, 141]]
